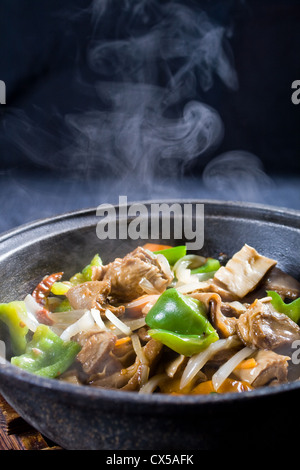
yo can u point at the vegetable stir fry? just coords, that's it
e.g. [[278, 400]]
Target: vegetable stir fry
[[160, 320]]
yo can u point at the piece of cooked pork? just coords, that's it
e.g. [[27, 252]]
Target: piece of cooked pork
[[131, 276], [270, 369], [263, 328]]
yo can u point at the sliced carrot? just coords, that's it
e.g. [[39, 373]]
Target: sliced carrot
[[228, 385], [247, 364], [204, 388], [135, 307], [122, 341], [172, 386], [156, 247]]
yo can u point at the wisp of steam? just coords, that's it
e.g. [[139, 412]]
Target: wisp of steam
[[149, 119]]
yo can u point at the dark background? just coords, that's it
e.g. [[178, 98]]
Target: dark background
[[45, 169]]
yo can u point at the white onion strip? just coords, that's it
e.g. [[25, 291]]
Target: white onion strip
[[118, 323], [67, 318], [32, 308], [198, 361], [187, 288], [136, 323], [225, 370], [147, 286], [85, 323], [97, 317], [182, 269], [144, 374], [165, 266], [138, 349], [141, 301], [152, 383]]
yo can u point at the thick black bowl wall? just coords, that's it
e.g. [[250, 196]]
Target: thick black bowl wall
[[78, 417]]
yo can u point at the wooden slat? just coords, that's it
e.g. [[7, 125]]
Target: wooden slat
[[16, 434]]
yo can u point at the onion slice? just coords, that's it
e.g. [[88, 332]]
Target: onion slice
[[97, 317], [197, 361], [117, 322], [138, 349], [32, 308], [152, 383], [164, 265], [148, 287], [188, 288], [225, 370], [85, 323], [142, 301], [136, 323], [144, 374]]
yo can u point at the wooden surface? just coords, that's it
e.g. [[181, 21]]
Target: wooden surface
[[16, 434]]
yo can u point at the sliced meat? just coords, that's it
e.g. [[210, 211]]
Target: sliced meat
[[233, 309], [176, 365], [244, 271], [270, 369], [129, 378], [284, 284], [92, 294], [151, 351], [225, 326], [137, 273], [95, 348], [263, 328], [209, 286]]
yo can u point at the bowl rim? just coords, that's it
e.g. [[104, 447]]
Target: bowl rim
[[285, 216], [280, 211]]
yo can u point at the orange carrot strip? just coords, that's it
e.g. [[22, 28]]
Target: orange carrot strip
[[122, 341], [156, 247], [228, 385], [247, 364]]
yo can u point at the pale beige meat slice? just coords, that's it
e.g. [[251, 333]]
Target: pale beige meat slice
[[129, 276], [270, 369], [209, 286], [244, 271], [95, 348], [264, 328], [129, 378], [93, 294]]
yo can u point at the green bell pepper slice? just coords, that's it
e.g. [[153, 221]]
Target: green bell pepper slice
[[184, 344], [64, 306], [14, 314], [61, 288], [292, 310], [47, 355], [180, 322], [176, 312], [87, 272], [211, 265], [172, 254]]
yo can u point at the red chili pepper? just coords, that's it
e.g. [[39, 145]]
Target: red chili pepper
[[40, 295]]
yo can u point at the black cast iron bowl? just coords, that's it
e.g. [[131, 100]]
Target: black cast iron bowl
[[79, 417]]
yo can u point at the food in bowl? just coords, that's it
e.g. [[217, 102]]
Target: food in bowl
[[160, 320]]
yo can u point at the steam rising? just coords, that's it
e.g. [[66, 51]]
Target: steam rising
[[239, 175], [149, 119]]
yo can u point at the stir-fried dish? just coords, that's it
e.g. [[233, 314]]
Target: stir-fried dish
[[160, 320]]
